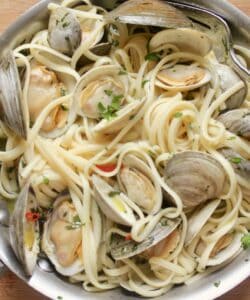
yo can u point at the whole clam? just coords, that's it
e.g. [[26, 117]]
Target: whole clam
[[62, 237], [12, 106], [229, 78], [156, 244], [195, 176], [237, 121], [24, 230], [64, 31], [136, 181]]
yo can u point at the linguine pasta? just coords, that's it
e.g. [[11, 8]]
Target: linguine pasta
[[86, 118]]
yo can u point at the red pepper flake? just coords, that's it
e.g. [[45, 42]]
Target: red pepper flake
[[128, 237], [107, 167], [32, 216]]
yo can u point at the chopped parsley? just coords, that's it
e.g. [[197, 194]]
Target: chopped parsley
[[59, 298], [122, 72], [64, 17], [164, 221], [217, 283], [113, 193], [109, 112], [178, 114], [236, 160], [115, 43], [245, 241], [46, 180], [62, 92], [153, 56], [65, 24], [144, 82], [231, 138], [64, 107], [75, 224]]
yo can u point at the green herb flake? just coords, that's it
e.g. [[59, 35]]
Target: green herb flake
[[109, 112], [64, 17], [64, 107], [115, 43], [131, 117], [236, 160], [144, 82], [217, 283], [108, 92], [65, 24], [59, 298], [122, 72], [231, 138], [245, 241], [152, 56], [62, 92], [75, 224], [113, 193], [46, 180], [164, 222], [178, 114]]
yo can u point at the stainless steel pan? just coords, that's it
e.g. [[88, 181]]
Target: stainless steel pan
[[44, 279]]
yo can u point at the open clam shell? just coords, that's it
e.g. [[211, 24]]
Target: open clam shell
[[12, 107], [62, 237], [136, 181], [237, 121], [198, 220], [229, 78], [186, 39], [121, 248], [149, 12], [182, 77], [24, 233], [64, 32], [195, 176], [113, 204]]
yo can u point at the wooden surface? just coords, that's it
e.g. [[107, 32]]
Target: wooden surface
[[12, 288]]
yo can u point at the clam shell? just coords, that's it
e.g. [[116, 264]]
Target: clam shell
[[12, 107], [149, 12], [198, 220], [121, 249], [195, 176], [237, 121], [186, 39], [229, 78], [24, 235], [64, 31], [113, 207], [101, 49]]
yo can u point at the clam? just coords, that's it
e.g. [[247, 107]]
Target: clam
[[64, 31], [62, 237], [195, 176], [237, 121], [226, 247], [45, 87], [122, 118], [240, 164], [24, 230], [136, 181], [186, 39], [13, 112], [100, 49], [149, 12], [154, 245], [198, 219], [112, 202], [182, 77], [229, 78], [99, 91]]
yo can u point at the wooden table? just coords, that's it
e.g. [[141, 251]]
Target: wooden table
[[12, 288]]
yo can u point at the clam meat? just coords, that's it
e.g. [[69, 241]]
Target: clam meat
[[195, 176], [136, 181], [62, 237]]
